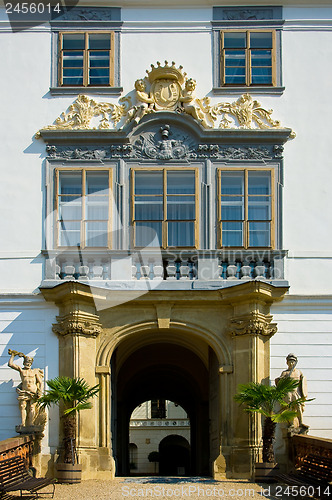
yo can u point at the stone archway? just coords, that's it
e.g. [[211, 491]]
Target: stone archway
[[169, 371], [225, 331]]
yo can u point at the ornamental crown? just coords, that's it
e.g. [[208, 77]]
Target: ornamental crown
[[166, 72]]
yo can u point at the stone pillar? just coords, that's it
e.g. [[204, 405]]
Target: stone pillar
[[78, 327], [251, 333]]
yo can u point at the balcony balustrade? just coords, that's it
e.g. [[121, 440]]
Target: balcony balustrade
[[183, 266]]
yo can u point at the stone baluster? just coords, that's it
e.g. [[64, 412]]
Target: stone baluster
[[57, 272], [260, 270], [83, 272], [145, 272], [69, 272], [220, 272], [171, 270], [184, 271], [133, 272], [245, 272], [97, 272], [158, 272], [231, 271]]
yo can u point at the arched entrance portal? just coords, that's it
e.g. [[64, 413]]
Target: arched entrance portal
[[174, 456], [163, 370]]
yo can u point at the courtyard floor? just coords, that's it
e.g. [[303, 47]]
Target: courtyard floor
[[135, 488]]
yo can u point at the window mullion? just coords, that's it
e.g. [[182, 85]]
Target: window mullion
[[57, 233], [248, 59], [83, 222], [86, 61], [165, 223], [246, 222], [60, 60]]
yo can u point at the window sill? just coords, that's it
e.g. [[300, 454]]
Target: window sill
[[248, 90], [86, 90]]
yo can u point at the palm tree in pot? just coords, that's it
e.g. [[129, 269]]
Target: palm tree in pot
[[72, 395], [271, 402]]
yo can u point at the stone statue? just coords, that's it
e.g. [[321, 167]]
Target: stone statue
[[144, 104], [300, 391], [190, 105], [29, 389]]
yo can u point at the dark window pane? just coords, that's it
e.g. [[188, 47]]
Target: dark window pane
[[234, 40], [181, 182], [99, 72], [72, 81], [232, 211], [72, 72], [180, 208], [232, 234], [232, 183], [235, 76], [99, 61], [96, 234], [70, 183], [74, 41], [99, 41], [261, 40], [96, 182], [70, 233], [261, 58], [148, 183], [181, 234], [149, 208], [97, 208], [259, 234], [259, 208], [70, 209], [98, 81], [235, 58], [259, 183], [72, 59], [148, 234]]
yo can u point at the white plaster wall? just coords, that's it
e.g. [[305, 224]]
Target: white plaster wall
[[305, 329], [185, 36], [25, 326]]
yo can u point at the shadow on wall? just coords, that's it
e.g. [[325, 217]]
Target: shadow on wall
[[27, 331]]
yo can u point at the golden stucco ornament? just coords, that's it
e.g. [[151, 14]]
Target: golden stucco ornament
[[166, 88]]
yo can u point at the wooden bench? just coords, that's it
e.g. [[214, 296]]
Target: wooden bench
[[14, 476], [314, 470]]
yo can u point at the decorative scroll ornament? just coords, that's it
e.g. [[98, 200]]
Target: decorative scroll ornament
[[166, 89], [84, 109], [76, 323], [254, 323]]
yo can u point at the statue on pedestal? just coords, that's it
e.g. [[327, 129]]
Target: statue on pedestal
[[29, 390], [297, 426]]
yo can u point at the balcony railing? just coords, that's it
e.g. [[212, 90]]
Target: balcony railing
[[98, 266]]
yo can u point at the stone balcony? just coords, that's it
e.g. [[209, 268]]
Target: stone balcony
[[186, 269]]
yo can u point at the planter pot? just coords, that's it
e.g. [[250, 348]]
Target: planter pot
[[68, 473], [265, 472]]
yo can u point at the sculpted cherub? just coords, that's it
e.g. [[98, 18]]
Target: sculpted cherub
[[144, 104], [191, 106]]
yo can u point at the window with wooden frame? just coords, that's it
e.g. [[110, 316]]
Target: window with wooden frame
[[83, 208], [86, 59], [164, 207], [248, 58], [246, 208]]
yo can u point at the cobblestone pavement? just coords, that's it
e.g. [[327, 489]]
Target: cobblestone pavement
[[162, 488]]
